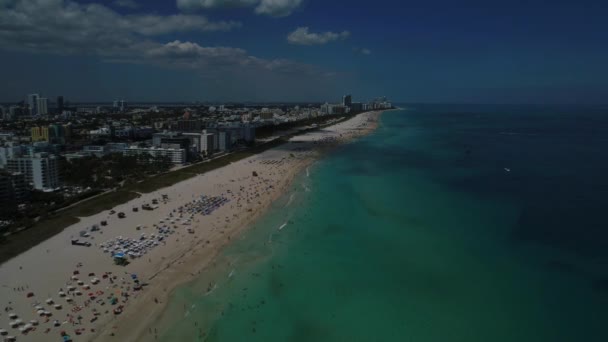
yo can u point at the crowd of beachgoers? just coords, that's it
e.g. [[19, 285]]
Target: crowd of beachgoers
[[106, 277]]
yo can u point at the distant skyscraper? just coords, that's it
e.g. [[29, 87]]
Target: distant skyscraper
[[115, 104], [123, 105], [32, 103], [43, 106], [59, 104], [14, 112], [347, 100]]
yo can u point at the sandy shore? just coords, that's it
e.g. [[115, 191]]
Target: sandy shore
[[59, 287]]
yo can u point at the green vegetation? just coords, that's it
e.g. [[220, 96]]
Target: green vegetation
[[125, 170], [111, 170], [32, 233], [103, 202], [25, 239]]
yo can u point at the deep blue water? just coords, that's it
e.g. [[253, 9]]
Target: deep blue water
[[449, 223]]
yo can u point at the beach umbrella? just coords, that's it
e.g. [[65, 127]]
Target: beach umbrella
[[58, 306], [13, 324], [69, 299], [61, 294], [38, 307], [28, 326], [48, 313], [12, 315], [74, 277], [3, 332], [30, 294], [11, 338], [49, 301], [71, 288], [40, 312], [80, 282], [34, 322]]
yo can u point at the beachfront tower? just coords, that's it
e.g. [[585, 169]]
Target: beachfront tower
[[347, 100]]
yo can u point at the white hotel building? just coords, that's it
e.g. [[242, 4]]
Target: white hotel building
[[177, 156]]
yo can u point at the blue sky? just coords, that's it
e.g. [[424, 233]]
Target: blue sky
[[305, 50]]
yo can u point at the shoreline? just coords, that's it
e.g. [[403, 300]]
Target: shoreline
[[248, 185], [144, 329]]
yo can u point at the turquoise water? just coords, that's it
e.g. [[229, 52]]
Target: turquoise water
[[413, 233]]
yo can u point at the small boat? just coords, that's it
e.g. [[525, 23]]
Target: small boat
[[507, 169]]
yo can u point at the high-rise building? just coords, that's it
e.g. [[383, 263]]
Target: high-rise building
[[43, 106], [32, 103], [40, 134], [347, 100], [207, 146], [41, 170], [60, 104], [15, 112], [13, 187], [225, 142]]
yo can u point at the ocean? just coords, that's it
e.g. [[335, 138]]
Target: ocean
[[448, 223]]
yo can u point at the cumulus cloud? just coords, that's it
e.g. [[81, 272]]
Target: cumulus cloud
[[70, 28], [126, 4], [274, 8], [302, 36], [220, 59], [277, 8]]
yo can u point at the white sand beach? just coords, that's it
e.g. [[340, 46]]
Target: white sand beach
[[57, 287]]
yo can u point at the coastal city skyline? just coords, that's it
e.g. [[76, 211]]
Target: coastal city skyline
[[298, 51]]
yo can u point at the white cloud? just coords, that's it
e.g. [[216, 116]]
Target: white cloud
[[203, 4], [60, 26], [274, 8], [126, 4], [301, 36], [70, 28], [277, 8], [191, 55]]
